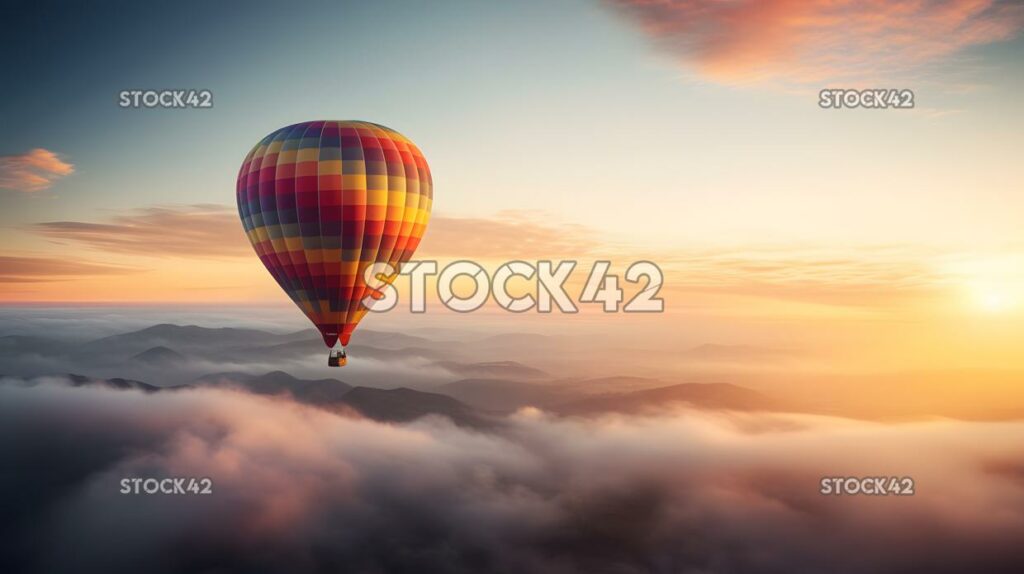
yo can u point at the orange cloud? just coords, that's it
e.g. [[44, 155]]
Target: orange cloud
[[507, 235], [874, 275], [186, 231], [34, 170], [819, 41], [210, 253], [39, 269]]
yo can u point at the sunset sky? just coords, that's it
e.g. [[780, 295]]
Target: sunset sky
[[687, 133]]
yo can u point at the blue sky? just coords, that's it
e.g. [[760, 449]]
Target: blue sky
[[563, 107]]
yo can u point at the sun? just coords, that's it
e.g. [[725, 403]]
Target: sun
[[992, 298], [992, 285]]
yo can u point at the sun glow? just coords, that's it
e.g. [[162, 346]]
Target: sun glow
[[993, 285], [992, 298]]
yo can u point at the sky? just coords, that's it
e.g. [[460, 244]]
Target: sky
[[685, 132]]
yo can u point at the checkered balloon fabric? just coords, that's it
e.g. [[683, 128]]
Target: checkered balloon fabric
[[321, 201]]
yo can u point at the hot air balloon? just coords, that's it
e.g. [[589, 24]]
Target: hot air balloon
[[320, 202]]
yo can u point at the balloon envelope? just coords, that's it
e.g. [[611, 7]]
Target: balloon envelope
[[321, 201]]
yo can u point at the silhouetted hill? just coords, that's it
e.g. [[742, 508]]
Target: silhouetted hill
[[389, 405], [159, 356], [504, 395], [204, 341], [114, 383], [403, 405], [229, 344], [316, 392]]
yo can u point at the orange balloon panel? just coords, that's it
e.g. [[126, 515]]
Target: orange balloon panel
[[321, 201]]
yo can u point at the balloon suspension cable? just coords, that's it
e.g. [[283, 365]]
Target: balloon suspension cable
[[337, 356]]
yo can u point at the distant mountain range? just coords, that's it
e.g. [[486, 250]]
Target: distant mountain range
[[591, 396], [404, 405], [177, 342], [475, 371], [168, 354], [387, 405], [391, 405], [115, 383], [315, 392], [176, 355], [186, 336]]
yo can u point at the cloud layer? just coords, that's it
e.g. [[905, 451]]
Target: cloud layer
[[506, 235], [211, 230], [34, 170], [181, 230], [15, 269], [819, 41], [304, 490], [869, 276]]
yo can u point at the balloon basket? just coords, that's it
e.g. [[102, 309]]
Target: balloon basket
[[337, 358]]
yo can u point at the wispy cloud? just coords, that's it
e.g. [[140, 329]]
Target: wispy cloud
[[506, 235], [210, 230], [184, 231], [39, 269], [34, 170], [819, 41], [869, 275]]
